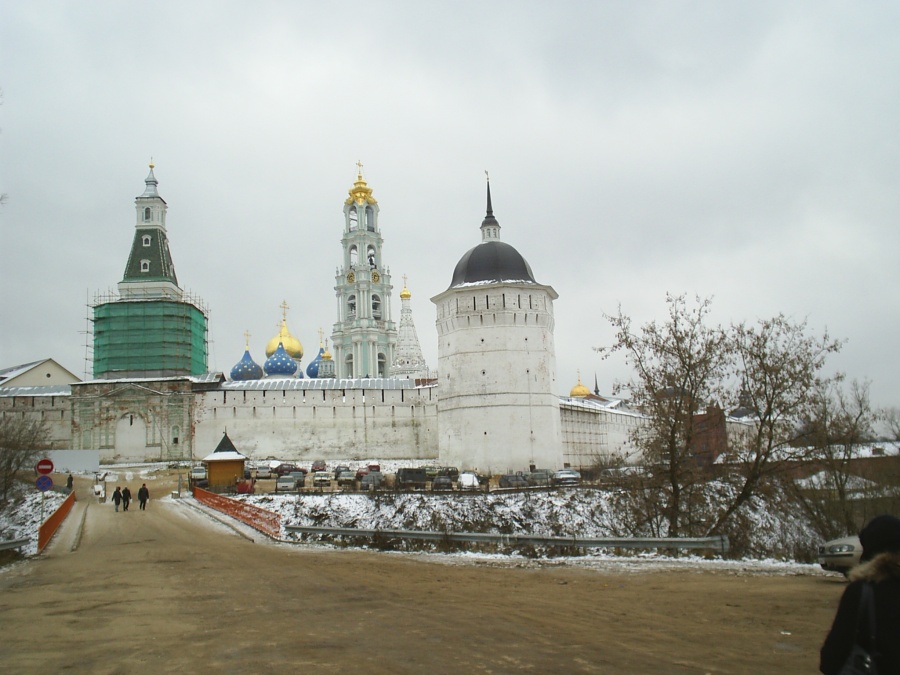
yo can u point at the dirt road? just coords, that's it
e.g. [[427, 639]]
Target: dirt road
[[169, 590]]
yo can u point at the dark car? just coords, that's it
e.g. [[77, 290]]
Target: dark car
[[513, 480], [540, 477], [318, 465], [346, 478], [430, 471], [450, 471], [567, 477], [299, 478], [373, 480], [411, 479], [338, 470], [441, 483], [284, 469]]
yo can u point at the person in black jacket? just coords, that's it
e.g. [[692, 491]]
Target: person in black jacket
[[143, 496], [126, 498], [880, 541]]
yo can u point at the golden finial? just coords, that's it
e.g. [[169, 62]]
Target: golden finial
[[247, 340], [359, 166], [284, 308], [405, 294], [321, 336], [151, 162]]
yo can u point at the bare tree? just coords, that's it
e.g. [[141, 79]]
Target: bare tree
[[679, 367], [778, 368], [21, 442]]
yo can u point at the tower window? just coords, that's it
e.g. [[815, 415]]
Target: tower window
[[376, 307], [147, 213], [353, 219], [354, 256], [370, 219], [351, 307], [145, 240], [145, 265]]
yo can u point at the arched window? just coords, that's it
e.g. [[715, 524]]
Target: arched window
[[147, 213], [354, 222], [370, 257], [348, 365], [145, 265], [145, 240], [376, 307], [354, 256], [351, 307], [382, 364], [370, 219]]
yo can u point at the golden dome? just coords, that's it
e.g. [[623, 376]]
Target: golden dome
[[291, 344], [326, 355], [405, 294], [360, 193], [579, 390]]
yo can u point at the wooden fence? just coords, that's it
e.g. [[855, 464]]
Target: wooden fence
[[267, 522]]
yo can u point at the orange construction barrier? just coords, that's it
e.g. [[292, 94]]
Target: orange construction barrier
[[267, 522], [51, 525]]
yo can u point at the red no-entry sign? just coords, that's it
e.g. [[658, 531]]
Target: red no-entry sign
[[45, 466]]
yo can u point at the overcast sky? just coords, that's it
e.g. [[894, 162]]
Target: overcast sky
[[746, 151]]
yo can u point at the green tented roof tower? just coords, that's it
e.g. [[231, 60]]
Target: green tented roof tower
[[152, 328]]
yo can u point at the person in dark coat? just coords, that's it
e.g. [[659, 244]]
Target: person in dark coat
[[70, 481], [143, 496], [880, 567], [126, 498], [117, 498]]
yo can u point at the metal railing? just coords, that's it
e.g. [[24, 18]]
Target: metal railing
[[718, 543], [12, 543]]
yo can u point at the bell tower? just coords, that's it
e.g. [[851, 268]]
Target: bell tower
[[364, 335]]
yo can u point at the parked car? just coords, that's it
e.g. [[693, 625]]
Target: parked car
[[299, 478], [540, 477], [338, 470], [373, 480], [346, 478], [468, 481], [411, 479], [567, 477], [450, 471], [285, 484], [321, 479], [840, 555], [284, 469], [441, 483], [513, 480], [318, 465], [198, 472], [263, 471], [430, 471]]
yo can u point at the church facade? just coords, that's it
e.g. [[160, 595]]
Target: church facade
[[491, 405]]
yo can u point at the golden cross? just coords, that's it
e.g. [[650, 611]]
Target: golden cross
[[321, 335], [359, 165], [247, 338], [404, 281], [284, 308]]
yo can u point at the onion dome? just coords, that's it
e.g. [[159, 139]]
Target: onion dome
[[405, 294], [579, 390], [291, 344], [312, 370], [280, 363], [246, 369], [492, 260], [360, 193]]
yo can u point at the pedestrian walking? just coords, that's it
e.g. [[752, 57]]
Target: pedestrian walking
[[126, 498], [70, 482], [117, 498], [143, 496], [870, 605]]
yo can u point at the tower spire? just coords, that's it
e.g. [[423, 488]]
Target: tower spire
[[490, 228]]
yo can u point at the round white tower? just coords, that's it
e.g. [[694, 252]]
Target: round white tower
[[498, 409]]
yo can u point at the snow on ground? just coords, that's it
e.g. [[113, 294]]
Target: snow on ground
[[23, 517]]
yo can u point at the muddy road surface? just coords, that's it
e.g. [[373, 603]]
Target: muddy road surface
[[171, 590]]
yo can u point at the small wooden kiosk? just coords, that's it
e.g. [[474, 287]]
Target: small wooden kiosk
[[225, 466]]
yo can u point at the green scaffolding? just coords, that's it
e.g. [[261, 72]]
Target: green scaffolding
[[149, 338]]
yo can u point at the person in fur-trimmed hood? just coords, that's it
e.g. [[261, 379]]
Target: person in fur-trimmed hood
[[880, 566]]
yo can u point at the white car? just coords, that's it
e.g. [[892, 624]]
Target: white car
[[263, 471], [198, 472], [468, 481]]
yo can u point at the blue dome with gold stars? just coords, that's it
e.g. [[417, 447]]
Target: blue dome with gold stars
[[280, 364], [312, 370], [246, 369]]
